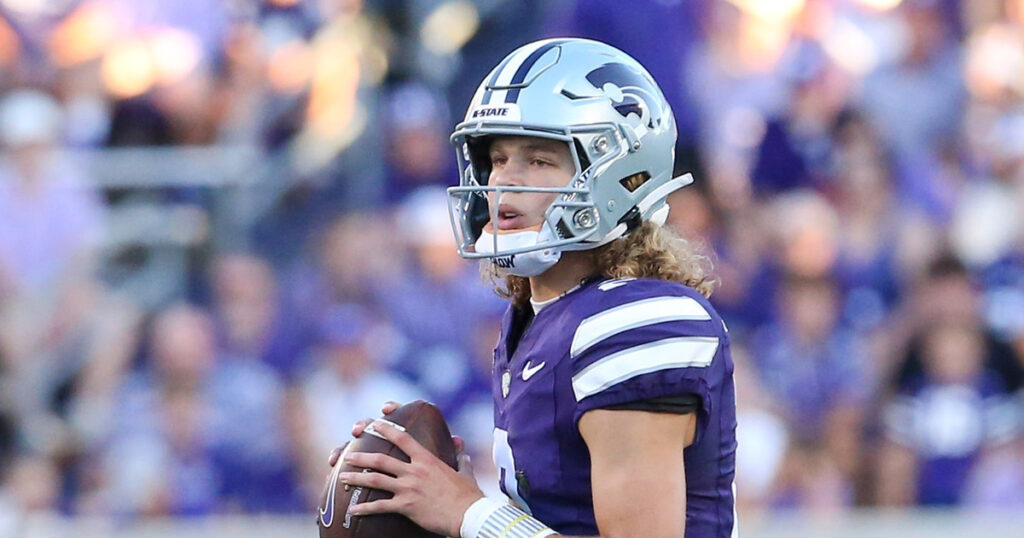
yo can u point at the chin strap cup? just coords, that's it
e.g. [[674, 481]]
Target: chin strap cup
[[524, 264]]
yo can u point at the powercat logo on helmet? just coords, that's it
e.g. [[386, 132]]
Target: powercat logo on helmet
[[502, 112], [631, 91]]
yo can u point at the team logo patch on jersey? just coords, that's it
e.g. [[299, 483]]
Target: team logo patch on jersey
[[501, 112], [506, 383]]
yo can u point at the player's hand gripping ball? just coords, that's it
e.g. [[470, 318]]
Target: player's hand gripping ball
[[425, 423]]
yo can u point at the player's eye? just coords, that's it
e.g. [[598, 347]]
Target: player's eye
[[498, 160], [540, 162]]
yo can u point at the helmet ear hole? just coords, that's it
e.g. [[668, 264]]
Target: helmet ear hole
[[635, 181]]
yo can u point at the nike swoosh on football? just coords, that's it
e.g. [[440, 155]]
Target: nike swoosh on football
[[328, 507], [528, 371]]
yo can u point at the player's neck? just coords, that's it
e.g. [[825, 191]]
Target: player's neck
[[565, 275]]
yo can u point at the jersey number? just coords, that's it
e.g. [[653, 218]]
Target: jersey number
[[506, 465]]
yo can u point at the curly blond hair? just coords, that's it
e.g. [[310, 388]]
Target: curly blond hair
[[650, 251]]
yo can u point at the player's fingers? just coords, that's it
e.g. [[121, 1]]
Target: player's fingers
[[460, 444], [360, 426], [389, 407], [335, 454], [369, 479], [465, 465], [402, 440], [381, 506], [379, 462]]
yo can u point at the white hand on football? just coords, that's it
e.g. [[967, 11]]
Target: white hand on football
[[426, 490], [389, 407]]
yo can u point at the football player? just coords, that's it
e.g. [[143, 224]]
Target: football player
[[612, 378]]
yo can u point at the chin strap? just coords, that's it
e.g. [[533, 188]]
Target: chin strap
[[524, 264]]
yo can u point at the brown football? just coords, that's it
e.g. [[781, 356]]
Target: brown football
[[425, 423]]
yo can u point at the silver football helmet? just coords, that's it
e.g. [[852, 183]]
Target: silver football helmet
[[619, 128]]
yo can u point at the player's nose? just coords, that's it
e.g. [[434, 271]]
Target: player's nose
[[510, 175]]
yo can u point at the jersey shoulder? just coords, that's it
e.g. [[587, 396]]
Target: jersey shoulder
[[640, 310], [642, 295], [643, 339], [607, 292]]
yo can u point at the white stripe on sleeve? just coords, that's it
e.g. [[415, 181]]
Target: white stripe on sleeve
[[632, 315], [695, 351]]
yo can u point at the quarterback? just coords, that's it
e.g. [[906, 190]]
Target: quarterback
[[612, 378]]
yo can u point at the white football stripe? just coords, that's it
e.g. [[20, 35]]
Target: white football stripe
[[632, 315], [689, 351]]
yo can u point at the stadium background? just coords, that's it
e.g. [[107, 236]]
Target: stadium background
[[223, 239]]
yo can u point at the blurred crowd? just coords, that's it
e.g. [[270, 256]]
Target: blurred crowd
[[860, 179]]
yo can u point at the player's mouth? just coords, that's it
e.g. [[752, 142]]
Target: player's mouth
[[510, 218]]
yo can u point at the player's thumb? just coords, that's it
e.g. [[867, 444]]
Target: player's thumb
[[465, 465]]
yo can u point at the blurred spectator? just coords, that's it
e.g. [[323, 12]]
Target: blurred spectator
[[901, 98], [807, 231], [817, 371], [158, 459], [947, 294], [943, 420], [52, 217], [951, 408], [355, 259], [868, 266], [251, 320], [796, 148], [418, 125], [49, 237], [256, 457], [202, 433], [729, 76]]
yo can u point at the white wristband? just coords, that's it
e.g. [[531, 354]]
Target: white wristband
[[475, 516], [488, 518]]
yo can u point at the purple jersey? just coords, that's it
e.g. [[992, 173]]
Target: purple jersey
[[608, 343]]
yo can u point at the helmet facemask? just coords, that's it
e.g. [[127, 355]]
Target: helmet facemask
[[570, 221]]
